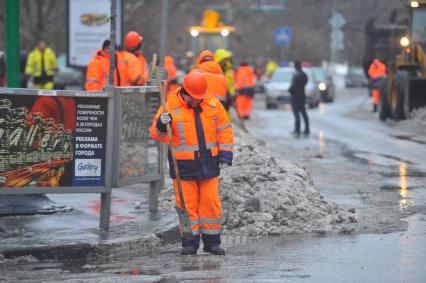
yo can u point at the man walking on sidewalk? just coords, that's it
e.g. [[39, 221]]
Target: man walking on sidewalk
[[298, 98], [203, 141]]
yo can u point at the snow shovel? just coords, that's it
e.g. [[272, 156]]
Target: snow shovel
[[182, 212]]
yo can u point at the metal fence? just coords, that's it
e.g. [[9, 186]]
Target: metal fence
[[72, 141]]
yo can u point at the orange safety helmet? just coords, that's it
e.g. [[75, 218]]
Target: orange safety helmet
[[205, 55], [195, 84], [132, 40]]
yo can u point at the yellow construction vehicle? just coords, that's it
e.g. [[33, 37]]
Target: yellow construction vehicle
[[211, 35], [404, 88]]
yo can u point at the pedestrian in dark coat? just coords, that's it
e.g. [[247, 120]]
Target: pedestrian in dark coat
[[298, 98]]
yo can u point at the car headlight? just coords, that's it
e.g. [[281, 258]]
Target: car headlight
[[322, 86]]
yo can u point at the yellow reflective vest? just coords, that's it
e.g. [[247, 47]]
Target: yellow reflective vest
[[34, 63]]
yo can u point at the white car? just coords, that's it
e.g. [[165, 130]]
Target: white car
[[276, 89]]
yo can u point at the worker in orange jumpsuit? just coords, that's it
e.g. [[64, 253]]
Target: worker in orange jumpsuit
[[133, 43], [128, 71], [217, 84], [172, 79], [245, 81], [376, 71], [203, 140]]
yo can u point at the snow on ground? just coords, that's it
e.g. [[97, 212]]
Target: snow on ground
[[265, 195], [418, 117]]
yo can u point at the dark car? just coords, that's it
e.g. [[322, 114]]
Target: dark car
[[324, 83], [356, 78]]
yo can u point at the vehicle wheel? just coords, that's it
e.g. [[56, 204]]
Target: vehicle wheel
[[271, 106], [397, 95], [384, 110]]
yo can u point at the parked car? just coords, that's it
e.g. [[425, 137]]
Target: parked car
[[68, 78], [356, 78], [276, 89], [325, 84]]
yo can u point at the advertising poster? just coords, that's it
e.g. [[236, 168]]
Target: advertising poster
[[88, 27], [139, 152], [52, 141]]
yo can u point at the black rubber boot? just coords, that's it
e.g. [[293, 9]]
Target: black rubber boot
[[295, 134], [216, 250], [189, 251], [306, 132]]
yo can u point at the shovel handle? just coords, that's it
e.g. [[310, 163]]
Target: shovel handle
[[152, 67], [171, 146]]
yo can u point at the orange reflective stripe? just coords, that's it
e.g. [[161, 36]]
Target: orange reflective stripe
[[181, 133], [226, 146], [210, 220], [210, 232], [223, 127]]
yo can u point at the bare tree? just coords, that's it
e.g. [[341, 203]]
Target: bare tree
[[40, 18]]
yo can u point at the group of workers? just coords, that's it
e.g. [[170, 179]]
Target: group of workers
[[131, 70], [130, 65]]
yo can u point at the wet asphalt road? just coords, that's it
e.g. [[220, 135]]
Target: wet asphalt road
[[353, 161]]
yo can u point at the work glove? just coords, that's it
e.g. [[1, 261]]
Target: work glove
[[223, 165], [163, 120]]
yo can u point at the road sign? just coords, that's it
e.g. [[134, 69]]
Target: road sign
[[337, 21], [337, 38], [283, 36]]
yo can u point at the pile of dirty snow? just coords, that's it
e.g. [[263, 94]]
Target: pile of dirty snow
[[418, 117], [264, 195]]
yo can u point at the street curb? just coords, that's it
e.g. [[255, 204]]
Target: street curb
[[96, 250]]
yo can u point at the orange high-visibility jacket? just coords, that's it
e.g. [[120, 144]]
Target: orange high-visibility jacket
[[144, 67], [134, 68], [169, 65], [245, 77], [97, 74], [172, 82], [377, 69], [217, 84], [197, 157]]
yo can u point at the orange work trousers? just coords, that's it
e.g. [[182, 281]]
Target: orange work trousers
[[203, 204], [376, 96], [244, 105]]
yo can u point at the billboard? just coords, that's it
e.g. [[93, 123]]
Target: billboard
[[88, 26], [52, 141], [138, 151]]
